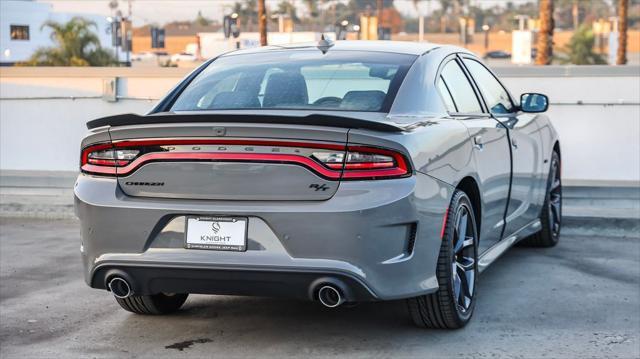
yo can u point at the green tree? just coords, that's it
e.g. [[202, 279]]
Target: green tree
[[289, 9], [76, 45], [312, 7], [201, 20], [247, 11], [579, 50]]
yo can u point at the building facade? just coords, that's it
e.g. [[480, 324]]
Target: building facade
[[21, 31]]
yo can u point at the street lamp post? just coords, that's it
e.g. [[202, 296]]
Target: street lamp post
[[486, 28], [356, 29], [342, 30]]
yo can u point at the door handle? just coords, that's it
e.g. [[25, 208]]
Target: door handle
[[514, 143], [477, 142]]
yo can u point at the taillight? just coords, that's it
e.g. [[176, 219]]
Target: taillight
[[328, 160], [103, 159], [363, 162]]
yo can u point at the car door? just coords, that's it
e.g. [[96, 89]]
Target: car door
[[525, 140], [490, 147]]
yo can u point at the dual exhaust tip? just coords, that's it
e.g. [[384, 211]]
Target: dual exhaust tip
[[120, 287], [329, 295]]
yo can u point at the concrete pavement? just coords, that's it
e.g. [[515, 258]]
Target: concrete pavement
[[578, 300]]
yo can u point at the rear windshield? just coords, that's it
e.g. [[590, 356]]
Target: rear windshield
[[300, 79]]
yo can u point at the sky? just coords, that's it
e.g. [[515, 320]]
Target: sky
[[163, 11]]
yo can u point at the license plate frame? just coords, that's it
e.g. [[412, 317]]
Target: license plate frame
[[206, 235]]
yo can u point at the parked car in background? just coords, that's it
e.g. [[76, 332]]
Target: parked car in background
[[183, 57], [498, 54], [143, 56], [151, 56], [346, 172]]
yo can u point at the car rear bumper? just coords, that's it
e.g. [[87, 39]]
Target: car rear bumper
[[378, 239], [300, 283]]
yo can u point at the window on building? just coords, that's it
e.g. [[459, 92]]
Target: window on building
[[19, 32]]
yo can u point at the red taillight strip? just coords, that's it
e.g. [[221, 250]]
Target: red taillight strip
[[103, 162], [394, 172], [334, 171], [177, 142], [84, 158], [209, 156], [360, 165], [401, 169], [103, 170]]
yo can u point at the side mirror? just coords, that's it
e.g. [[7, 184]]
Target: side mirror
[[534, 102]]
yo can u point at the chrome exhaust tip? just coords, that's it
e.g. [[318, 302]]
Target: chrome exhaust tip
[[120, 287], [330, 296]]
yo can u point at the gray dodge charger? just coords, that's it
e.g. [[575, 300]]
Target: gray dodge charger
[[334, 172]]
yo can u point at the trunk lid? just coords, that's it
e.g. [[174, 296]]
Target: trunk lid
[[229, 161]]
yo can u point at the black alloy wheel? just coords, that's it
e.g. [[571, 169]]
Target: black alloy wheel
[[555, 198], [463, 264], [452, 306], [551, 216]]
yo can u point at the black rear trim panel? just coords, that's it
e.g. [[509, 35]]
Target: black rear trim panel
[[270, 283]]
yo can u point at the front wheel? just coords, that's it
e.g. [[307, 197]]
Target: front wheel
[[551, 216], [452, 306]]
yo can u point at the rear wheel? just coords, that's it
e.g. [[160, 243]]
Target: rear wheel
[[153, 304], [452, 306], [551, 217]]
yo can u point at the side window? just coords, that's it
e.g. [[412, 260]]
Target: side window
[[462, 93], [446, 96], [494, 94]]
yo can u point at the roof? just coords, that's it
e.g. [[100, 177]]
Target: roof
[[399, 47], [178, 28]]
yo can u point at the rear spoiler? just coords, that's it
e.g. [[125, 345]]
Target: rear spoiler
[[313, 119]]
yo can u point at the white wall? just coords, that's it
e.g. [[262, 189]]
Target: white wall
[[41, 125], [600, 139]]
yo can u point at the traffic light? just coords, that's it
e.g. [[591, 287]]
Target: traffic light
[[116, 33], [126, 34], [230, 25]]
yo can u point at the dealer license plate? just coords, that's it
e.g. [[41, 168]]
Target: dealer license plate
[[216, 233]]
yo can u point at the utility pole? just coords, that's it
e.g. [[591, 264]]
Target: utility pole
[[379, 5], [575, 12], [486, 28], [262, 22], [623, 7], [545, 35]]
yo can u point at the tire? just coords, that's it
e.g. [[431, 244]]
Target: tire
[[452, 306], [551, 216], [153, 304]]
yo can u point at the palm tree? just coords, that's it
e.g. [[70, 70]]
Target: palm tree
[[545, 35], [76, 45], [262, 22], [580, 49], [623, 7], [287, 8], [247, 11]]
